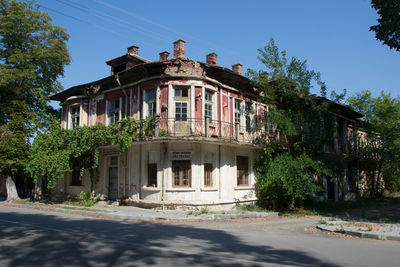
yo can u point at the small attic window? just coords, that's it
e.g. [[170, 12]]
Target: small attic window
[[119, 68]]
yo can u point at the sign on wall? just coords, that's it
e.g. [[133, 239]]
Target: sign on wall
[[181, 155]]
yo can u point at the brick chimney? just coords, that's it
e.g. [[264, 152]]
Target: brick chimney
[[237, 68], [133, 50], [164, 55], [212, 59], [179, 48]]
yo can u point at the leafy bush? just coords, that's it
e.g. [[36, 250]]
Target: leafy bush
[[84, 195], [286, 181]]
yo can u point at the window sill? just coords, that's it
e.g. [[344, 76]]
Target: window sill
[[182, 189], [244, 188], [151, 189], [209, 189]]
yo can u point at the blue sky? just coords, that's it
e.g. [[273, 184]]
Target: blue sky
[[333, 36]]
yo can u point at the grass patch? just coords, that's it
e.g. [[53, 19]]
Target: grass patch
[[250, 207], [82, 203], [298, 212]]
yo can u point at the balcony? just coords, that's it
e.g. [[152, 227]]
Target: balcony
[[207, 128]]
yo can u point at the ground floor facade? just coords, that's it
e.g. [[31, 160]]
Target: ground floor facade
[[184, 172]]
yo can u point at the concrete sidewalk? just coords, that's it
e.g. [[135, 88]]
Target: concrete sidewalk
[[363, 229], [130, 213]]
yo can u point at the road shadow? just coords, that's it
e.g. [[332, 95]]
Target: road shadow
[[50, 240]]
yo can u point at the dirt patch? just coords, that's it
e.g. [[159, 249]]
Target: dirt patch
[[316, 230]]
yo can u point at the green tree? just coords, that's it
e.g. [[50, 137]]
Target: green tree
[[382, 123], [388, 29], [33, 54], [300, 124]]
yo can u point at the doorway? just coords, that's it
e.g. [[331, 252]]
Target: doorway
[[113, 179]]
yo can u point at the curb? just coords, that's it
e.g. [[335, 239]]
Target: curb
[[106, 215], [361, 234]]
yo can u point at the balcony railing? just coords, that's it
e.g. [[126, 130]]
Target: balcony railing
[[194, 127]]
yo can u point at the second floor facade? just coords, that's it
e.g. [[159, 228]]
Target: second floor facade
[[187, 99]]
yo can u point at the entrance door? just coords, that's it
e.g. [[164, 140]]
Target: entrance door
[[113, 179], [331, 189]]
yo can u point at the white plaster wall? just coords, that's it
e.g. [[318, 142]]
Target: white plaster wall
[[133, 176]]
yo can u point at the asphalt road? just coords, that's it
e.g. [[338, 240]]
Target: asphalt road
[[36, 238]]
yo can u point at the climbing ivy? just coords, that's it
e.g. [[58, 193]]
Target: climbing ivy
[[57, 151]]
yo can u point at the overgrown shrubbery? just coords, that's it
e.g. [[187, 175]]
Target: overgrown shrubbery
[[284, 181], [57, 151], [303, 125]]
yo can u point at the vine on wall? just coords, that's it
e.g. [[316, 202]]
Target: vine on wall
[[57, 151]]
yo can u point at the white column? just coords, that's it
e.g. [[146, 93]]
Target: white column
[[120, 108], [170, 101], [192, 103], [158, 94], [143, 105]]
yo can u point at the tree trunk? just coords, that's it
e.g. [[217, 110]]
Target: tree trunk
[[12, 193]]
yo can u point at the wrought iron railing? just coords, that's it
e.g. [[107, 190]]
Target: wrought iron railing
[[207, 127]]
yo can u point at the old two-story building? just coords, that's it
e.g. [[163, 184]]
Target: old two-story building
[[209, 116]]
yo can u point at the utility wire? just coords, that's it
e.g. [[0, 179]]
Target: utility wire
[[96, 25], [123, 23], [167, 28]]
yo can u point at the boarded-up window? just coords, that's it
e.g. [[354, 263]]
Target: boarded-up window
[[208, 178], [181, 173], [242, 166]]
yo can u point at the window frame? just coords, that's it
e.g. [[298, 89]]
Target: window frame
[[180, 167], [152, 175], [112, 111], [237, 111], [181, 89], [151, 102], [209, 104], [248, 116], [74, 116], [208, 175], [242, 171], [182, 116]]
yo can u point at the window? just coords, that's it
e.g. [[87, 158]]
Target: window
[[181, 173], [237, 111], [208, 178], [74, 111], [242, 167], [248, 117], [208, 104], [76, 177], [113, 111], [181, 111], [181, 92], [151, 102], [114, 161], [152, 175]]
